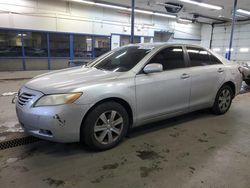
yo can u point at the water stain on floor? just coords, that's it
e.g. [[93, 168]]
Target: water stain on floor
[[102, 178], [192, 169], [184, 154], [175, 135], [110, 166], [54, 182], [202, 140], [98, 179], [146, 171], [21, 168], [148, 155], [222, 132], [211, 148], [30, 153]]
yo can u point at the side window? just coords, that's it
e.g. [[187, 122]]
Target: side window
[[214, 60], [198, 56], [170, 58]]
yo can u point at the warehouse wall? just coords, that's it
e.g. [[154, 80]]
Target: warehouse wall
[[206, 35], [80, 18], [221, 38], [69, 17]]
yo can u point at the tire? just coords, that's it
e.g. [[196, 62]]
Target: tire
[[105, 126], [223, 100], [247, 82]]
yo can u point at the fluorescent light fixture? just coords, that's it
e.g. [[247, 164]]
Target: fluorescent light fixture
[[143, 11], [227, 50], [243, 11], [125, 8], [244, 50], [111, 6], [85, 2], [193, 51], [205, 5], [101, 4], [216, 49], [177, 50], [190, 2], [20, 34], [164, 15], [203, 52], [184, 20], [215, 7]]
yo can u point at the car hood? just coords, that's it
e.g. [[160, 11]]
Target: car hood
[[69, 80]]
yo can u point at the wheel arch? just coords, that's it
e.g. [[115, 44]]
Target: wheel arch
[[122, 102], [232, 86]]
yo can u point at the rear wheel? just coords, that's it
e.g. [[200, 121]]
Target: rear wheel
[[223, 100], [247, 82], [105, 126]]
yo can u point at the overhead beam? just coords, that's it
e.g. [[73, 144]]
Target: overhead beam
[[195, 15]]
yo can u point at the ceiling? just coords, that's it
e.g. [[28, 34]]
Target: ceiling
[[189, 10]]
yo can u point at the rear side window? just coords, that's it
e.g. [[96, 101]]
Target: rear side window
[[214, 60], [198, 57], [170, 58], [201, 57]]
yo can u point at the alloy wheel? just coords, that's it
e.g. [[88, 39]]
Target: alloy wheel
[[108, 127], [224, 100]]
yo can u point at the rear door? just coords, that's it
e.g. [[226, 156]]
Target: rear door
[[207, 74]]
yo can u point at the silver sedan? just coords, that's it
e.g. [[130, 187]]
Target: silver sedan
[[127, 87]]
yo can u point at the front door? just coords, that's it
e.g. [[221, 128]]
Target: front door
[[164, 92]]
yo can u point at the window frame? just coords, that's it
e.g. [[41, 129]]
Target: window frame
[[161, 49], [42, 34], [220, 63], [55, 50], [75, 56], [189, 60]]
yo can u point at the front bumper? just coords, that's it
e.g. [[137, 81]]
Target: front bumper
[[55, 123]]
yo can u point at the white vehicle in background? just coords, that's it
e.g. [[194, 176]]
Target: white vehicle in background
[[246, 72]]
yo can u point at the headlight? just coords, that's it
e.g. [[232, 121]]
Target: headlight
[[57, 99]]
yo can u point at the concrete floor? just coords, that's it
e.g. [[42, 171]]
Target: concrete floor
[[194, 150]]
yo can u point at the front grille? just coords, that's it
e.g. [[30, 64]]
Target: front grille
[[24, 98]]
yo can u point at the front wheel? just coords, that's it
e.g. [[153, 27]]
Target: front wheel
[[223, 100], [105, 126]]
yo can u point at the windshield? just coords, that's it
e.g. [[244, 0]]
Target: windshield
[[122, 60]]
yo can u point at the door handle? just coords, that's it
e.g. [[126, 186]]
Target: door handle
[[185, 76], [220, 70]]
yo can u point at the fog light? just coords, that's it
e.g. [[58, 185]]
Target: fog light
[[45, 132]]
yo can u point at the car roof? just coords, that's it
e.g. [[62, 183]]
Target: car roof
[[161, 44]]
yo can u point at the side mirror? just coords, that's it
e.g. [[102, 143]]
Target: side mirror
[[153, 67]]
